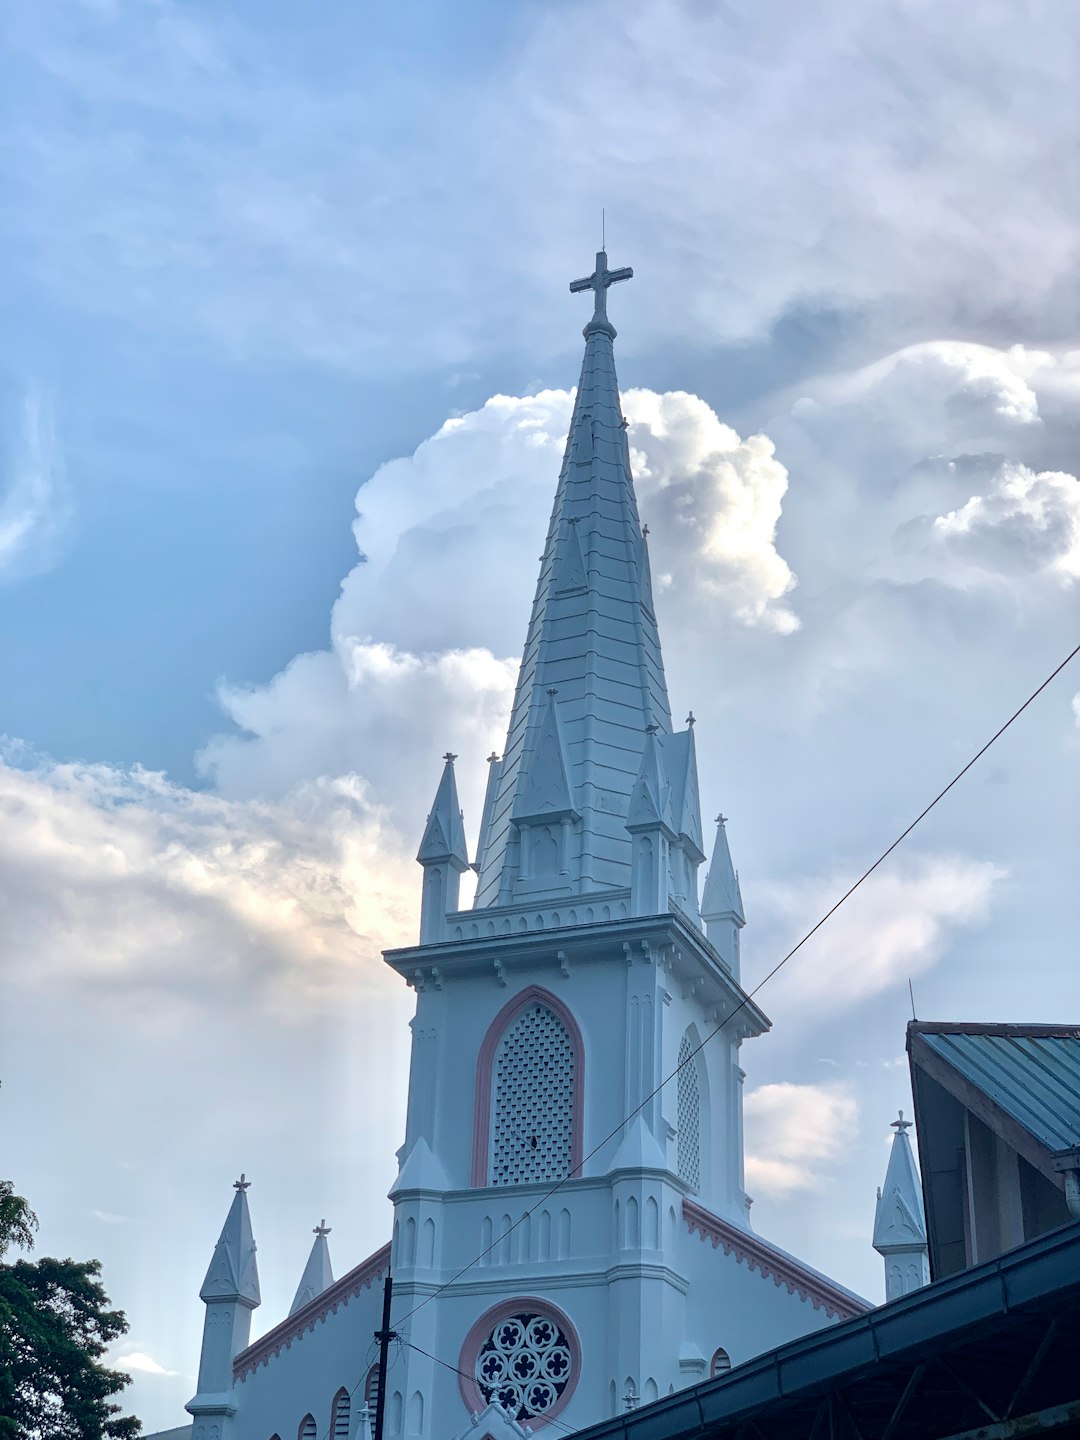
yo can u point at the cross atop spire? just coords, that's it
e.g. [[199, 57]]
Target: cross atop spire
[[598, 282], [901, 1125], [242, 1184], [322, 1228]]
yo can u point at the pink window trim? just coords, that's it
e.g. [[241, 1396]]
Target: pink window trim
[[474, 1343], [485, 1065]]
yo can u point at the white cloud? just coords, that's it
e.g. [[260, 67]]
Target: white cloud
[[121, 880], [143, 1363], [108, 1218], [1024, 522], [871, 155], [897, 925], [34, 504], [450, 538], [935, 396], [794, 1133], [713, 503]]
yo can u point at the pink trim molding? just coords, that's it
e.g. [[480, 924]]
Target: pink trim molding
[[281, 1337], [783, 1269], [482, 1328], [485, 1063]]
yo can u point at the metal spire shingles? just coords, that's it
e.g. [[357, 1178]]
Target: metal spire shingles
[[592, 635]]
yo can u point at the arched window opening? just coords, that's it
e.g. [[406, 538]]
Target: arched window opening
[[532, 1117], [688, 1137], [308, 1429], [720, 1363], [341, 1414], [371, 1388]]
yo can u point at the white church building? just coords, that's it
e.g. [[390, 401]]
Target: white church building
[[554, 1262]]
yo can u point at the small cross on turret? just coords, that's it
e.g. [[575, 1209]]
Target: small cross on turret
[[901, 1125], [322, 1228], [598, 282], [242, 1184]]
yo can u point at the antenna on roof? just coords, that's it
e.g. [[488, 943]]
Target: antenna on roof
[[911, 992], [603, 229]]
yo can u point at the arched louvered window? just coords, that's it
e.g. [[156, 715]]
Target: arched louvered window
[[720, 1363], [371, 1388], [340, 1415], [532, 1100], [308, 1429], [688, 1137]]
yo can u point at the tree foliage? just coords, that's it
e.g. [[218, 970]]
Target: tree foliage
[[55, 1325]]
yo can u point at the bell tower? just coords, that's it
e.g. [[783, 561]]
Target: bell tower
[[537, 1229]]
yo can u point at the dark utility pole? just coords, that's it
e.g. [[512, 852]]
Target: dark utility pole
[[383, 1336]]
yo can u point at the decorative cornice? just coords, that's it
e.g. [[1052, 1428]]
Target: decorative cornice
[[773, 1264], [315, 1312]]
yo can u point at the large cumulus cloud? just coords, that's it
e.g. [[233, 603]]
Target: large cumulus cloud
[[429, 623]]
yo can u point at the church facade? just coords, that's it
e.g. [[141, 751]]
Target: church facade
[[571, 1231]]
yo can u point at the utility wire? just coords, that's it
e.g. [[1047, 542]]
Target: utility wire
[[750, 994]]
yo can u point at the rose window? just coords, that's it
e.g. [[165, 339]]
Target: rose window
[[524, 1365]]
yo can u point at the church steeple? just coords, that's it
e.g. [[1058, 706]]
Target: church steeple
[[593, 640]]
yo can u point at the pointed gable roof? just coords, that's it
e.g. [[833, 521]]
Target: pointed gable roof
[[544, 792], [233, 1273], [681, 755], [722, 896], [444, 834], [592, 635], [899, 1221], [318, 1274], [650, 799]]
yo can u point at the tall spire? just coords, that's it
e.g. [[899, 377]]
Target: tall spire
[[318, 1273], [899, 1219], [592, 637]]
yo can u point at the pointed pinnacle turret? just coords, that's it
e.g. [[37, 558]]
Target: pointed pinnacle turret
[[722, 898], [444, 835], [444, 857], [233, 1273], [900, 1220], [318, 1273]]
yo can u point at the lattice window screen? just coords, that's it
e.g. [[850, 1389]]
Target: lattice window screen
[[342, 1416], [532, 1100], [689, 1131]]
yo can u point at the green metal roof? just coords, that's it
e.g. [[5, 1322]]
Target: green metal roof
[[1031, 1072]]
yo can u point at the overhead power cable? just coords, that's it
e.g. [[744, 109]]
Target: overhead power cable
[[547, 1195]]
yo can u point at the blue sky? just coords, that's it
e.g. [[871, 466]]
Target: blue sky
[[264, 274]]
